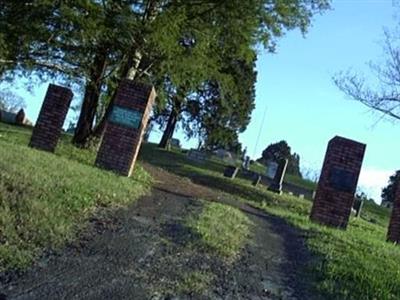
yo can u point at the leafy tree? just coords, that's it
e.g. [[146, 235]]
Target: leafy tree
[[388, 192], [182, 47], [78, 41], [206, 32], [276, 151], [214, 115], [281, 150], [97, 43], [238, 27], [23, 30], [71, 41], [221, 116]]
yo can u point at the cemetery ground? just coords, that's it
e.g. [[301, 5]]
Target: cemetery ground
[[176, 228]]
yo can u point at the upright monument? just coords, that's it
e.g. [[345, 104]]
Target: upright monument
[[276, 185], [51, 118], [338, 182], [125, 127]]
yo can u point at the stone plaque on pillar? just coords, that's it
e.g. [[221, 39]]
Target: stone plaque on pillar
[[125, 127], [338, 182], [394, 225], [51, 118]]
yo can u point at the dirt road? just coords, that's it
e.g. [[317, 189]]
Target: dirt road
[[139, 253]]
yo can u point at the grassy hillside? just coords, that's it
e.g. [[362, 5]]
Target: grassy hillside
[[354, 264], [45, 198]]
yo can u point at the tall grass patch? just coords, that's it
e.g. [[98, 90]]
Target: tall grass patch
[[44, 198], [222, 229], [356, 263]]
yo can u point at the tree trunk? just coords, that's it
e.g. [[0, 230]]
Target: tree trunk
[[169, 130], [90, 101], [130, 70], [86, 117]]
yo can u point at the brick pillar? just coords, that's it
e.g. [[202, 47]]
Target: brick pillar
[[125, 127], [338, 182], [394, 225], [51, 118]]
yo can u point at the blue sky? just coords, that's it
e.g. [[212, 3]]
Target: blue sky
[[303, 105], [306, 109]]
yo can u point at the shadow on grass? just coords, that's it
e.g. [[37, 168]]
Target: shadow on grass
[[296, 257], [170, 159], [172, 193], [207, 173], [180, 234], [298, 261]]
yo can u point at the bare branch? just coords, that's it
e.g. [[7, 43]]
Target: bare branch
[[385, 97], [388, 104]]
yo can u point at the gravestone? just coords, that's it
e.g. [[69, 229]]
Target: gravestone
[[225, 155], [276, 185], [387, 204], [197, 155], [256, 179], [338, 181], [357, 206], [394, 225], [246, 163], [231, 172], [51, 118], [272, 167], [125, 127]]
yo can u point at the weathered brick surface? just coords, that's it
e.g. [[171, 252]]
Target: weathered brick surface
[[120, 144], [394, 225], [338, 182], [51, 118]]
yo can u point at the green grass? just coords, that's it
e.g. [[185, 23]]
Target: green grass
[[222, 229], [46, 198], [375, 213], [301, 182], [354, 264], [289, 178]]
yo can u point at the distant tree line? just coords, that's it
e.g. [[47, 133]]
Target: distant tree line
[[388, 192], [199, 55]]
